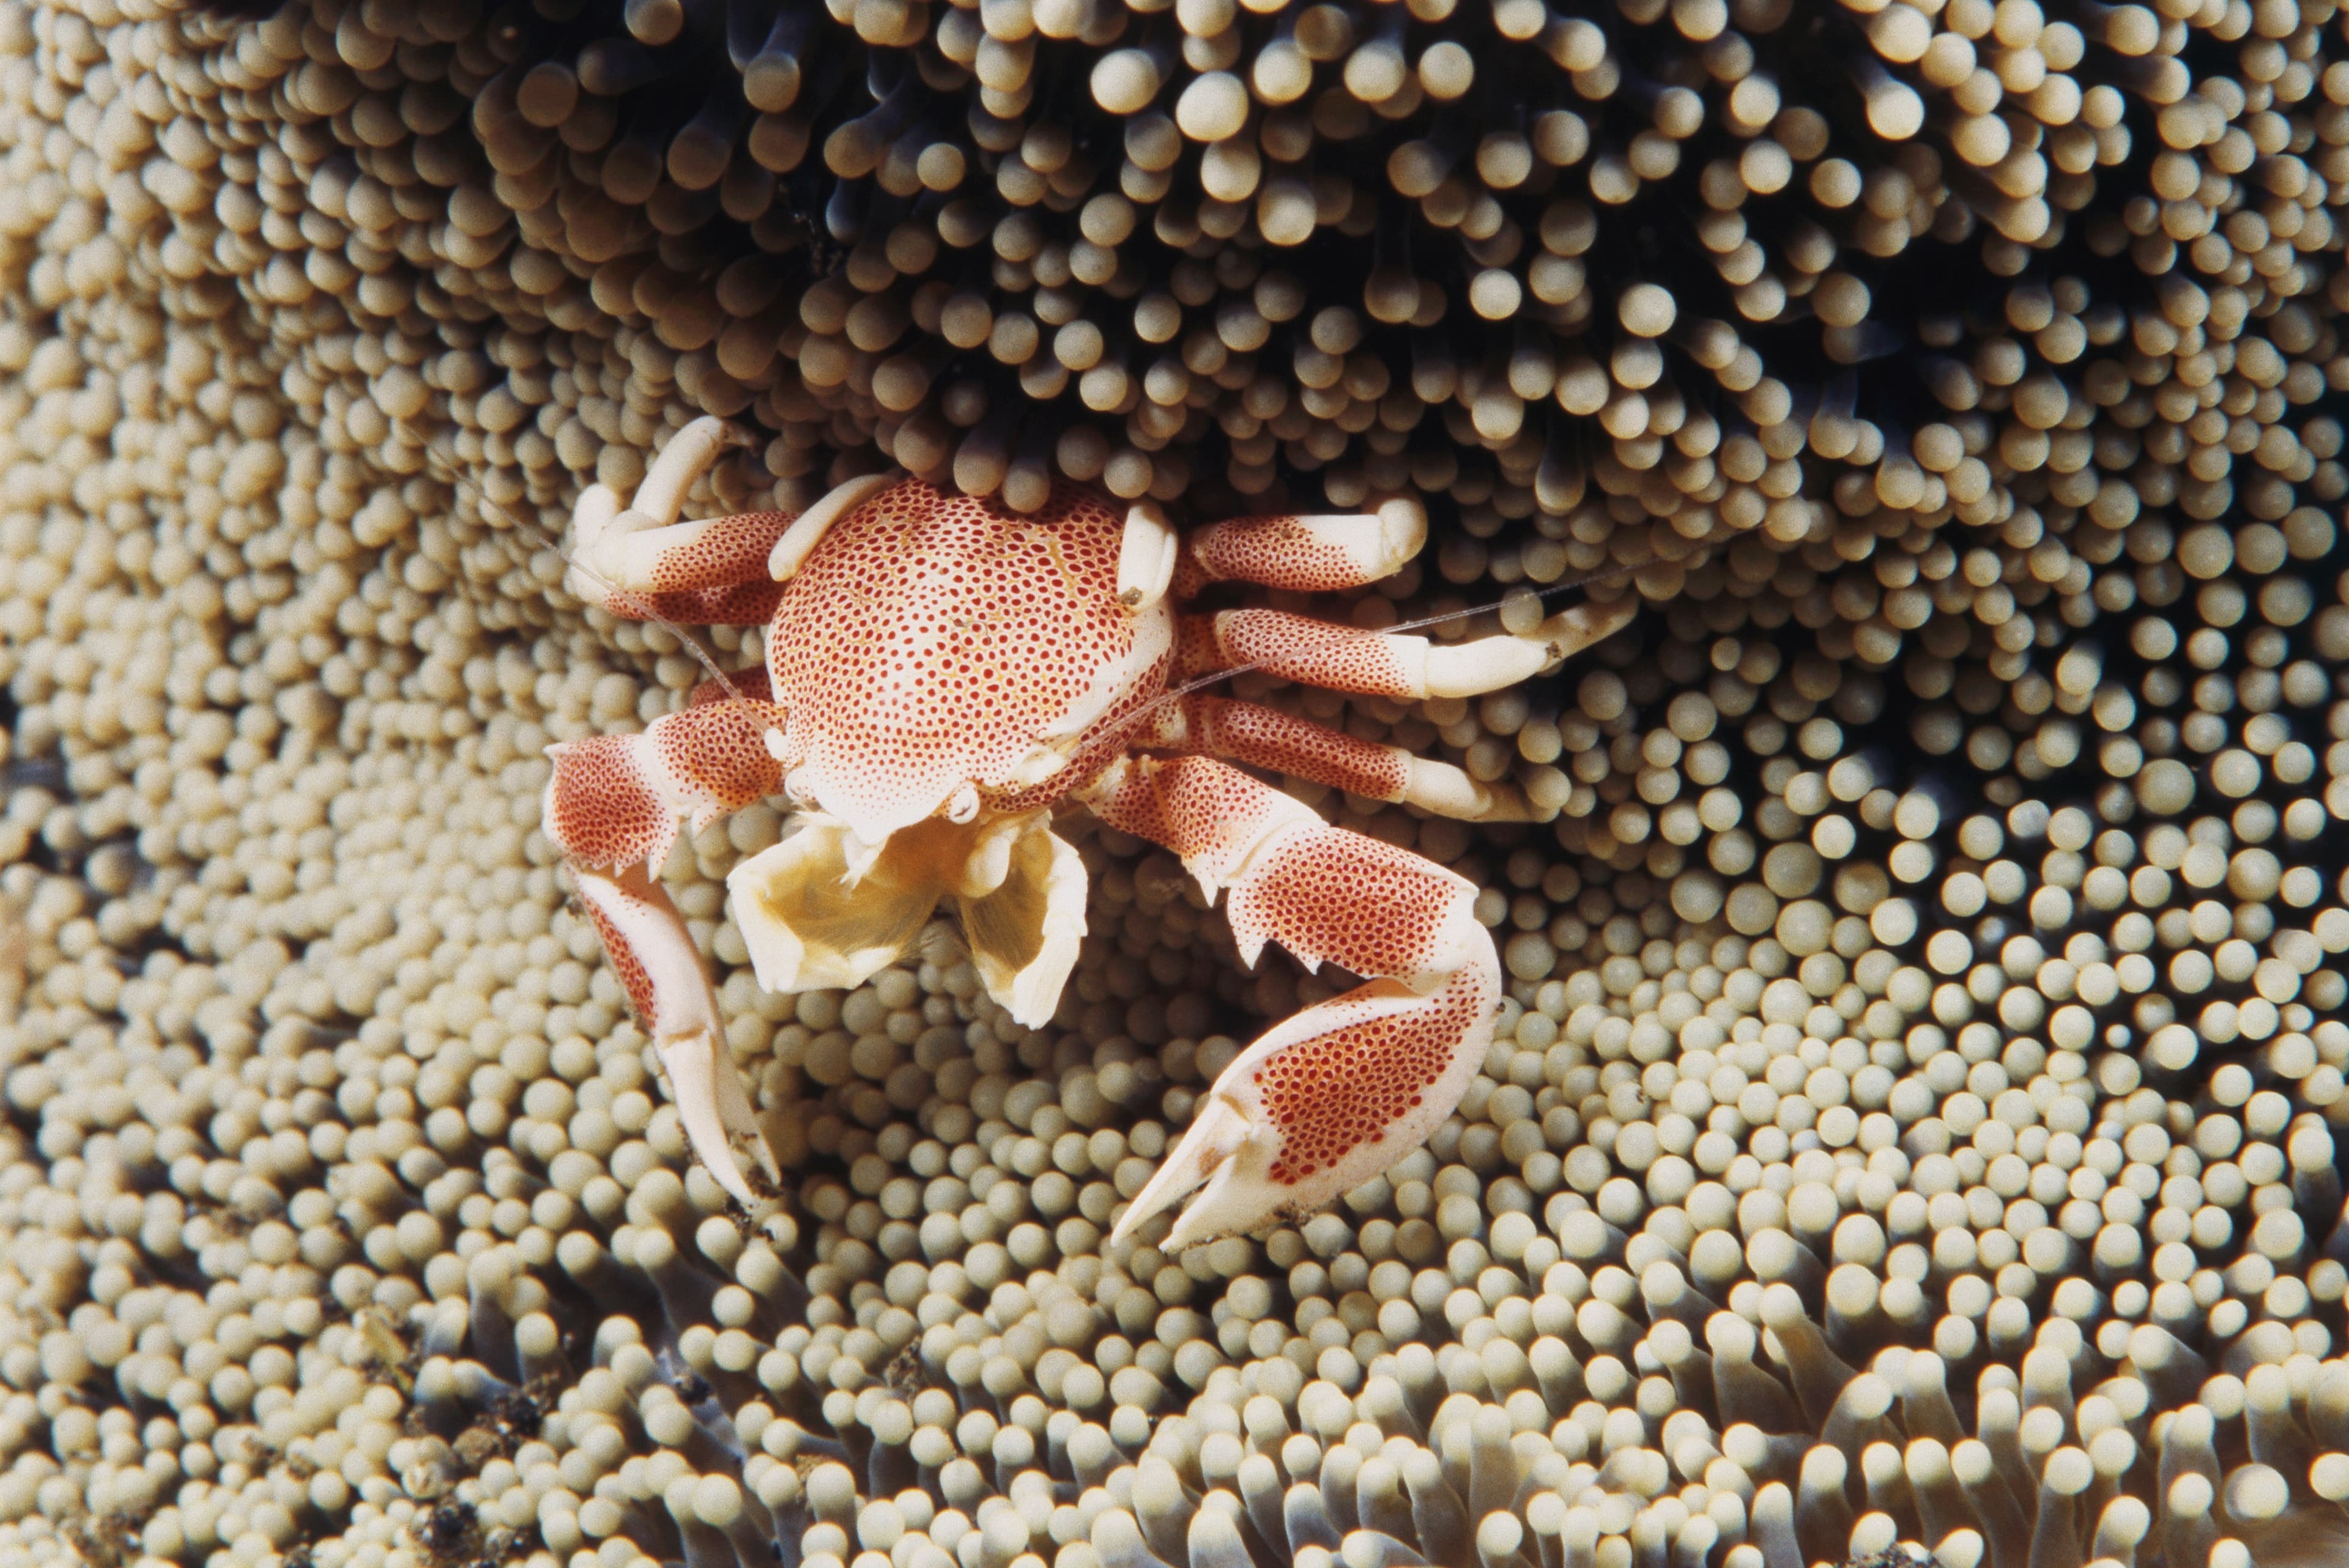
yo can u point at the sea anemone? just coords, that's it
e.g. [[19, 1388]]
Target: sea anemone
[[1912, 1126]]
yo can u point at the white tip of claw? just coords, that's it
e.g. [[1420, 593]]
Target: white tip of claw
[[1442, 788], [1403, 529], [1587, 624], [714, 1110], [808, 529], [682, 459], [591, 519], [1209, 1153], [1145, 557], [1023, 913], [1376, 544]]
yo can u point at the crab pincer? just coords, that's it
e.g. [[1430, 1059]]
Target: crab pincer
[[1328, 1098]]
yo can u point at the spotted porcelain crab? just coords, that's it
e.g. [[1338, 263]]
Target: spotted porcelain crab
[[941, 677]]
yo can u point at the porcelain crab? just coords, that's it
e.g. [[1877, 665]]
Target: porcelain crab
[[941, 677]]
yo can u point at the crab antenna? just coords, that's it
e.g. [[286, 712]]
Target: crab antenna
[[482, 502]]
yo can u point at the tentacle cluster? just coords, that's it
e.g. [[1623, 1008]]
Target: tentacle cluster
[[1943, 922]]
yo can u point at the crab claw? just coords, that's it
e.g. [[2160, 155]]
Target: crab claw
[[599, 521], [1324, 1102], [1328, 1099], [823, 909]]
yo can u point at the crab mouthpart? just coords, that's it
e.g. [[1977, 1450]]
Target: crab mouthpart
[[825, 910], [1025, 931]]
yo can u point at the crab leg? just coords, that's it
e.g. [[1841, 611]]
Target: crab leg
[[612, 808], [1303, 555], [641, 563], [708, 574], [1267, 738], [1388, 664], [654, 957], [1327, 1099]]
